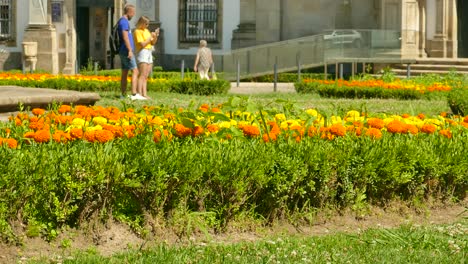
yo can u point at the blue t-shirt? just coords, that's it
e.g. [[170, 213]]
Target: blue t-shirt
[[124, 24]]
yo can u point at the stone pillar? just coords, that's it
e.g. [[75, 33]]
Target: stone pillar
[[268, 21], [70, 39], [245, 34], [423, 28], [445, 42], [410, 29], [41, 30]]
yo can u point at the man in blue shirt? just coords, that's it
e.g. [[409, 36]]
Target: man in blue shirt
[[127, 57]]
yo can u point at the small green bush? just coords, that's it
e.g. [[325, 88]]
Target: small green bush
[[335, 91], [458, 101], [199, 87]]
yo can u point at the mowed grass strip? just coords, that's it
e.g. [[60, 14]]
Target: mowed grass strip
[[407, 244], [323, 105]]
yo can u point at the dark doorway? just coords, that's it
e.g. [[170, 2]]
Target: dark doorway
[[82, 25], [462, 10], [94, 23]]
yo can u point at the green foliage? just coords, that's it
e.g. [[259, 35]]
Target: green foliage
[[458, 101], [285, 77], [207, 184], [335, 91], [199, 87]]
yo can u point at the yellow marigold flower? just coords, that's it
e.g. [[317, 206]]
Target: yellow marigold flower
[[225, 124], [336, 120], [94, 128], [312, 112], [353, 114], [99, 120], [280, 117], [78, 122]]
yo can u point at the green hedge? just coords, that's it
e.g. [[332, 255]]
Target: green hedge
[[335, 91], [286, 77], [200, 87], [458, 101], [155, 75], [134, 178]]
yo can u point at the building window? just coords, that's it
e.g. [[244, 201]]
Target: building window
[[57, 11], [198, 19], [6, 18]]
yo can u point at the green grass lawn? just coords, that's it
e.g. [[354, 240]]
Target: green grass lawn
[[407, 244], [336, 106]]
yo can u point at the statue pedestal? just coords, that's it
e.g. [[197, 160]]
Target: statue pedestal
[[47, 51]]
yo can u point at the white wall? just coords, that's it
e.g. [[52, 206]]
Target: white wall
[[169, 23]]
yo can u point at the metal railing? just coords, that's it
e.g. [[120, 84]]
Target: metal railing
[[350, 46]]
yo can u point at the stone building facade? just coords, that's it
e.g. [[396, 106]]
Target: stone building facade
[[71, 33]]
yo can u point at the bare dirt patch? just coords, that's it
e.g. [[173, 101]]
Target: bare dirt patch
[[115, 237]]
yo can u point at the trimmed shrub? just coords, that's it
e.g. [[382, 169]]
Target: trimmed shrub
[[458, 101]]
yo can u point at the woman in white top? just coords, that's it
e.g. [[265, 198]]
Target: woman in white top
[[203, 61]]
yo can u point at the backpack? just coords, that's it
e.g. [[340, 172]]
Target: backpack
[[114, 40]]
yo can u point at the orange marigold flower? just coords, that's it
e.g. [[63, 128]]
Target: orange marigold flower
[[411, 129], [405, 115], [42, 136], [169, 116], [338, 130], [76, 133], [359, 131], [443, 114], [251, 131], [10, 142], [312, 131], [297, 131], [157, 136], [358, 124], [36, 125], [421, 116], [465, 119], [212, 128], [446, 133], [64, 109], [215, 110], [327, 135], [376, 123], [270, 136], [57, 136], [103, 136], [29, 134], [182, 131], [465, 124], [396, 126], [90, 136], [38, 111], [428, 128], [197, 131], [374, 133]]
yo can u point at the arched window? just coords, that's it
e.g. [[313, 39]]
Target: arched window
[[199, 19]]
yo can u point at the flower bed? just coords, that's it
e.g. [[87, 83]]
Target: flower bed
[[111, 83], [63, 166], [373, 89]]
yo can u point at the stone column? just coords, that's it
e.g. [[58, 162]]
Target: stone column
[[41, 30], [423, 28], [70, 39], [245, 34], [445, 42], [410, 26], [268, 21]]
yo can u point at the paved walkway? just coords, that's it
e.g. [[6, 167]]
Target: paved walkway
[[256, 88]]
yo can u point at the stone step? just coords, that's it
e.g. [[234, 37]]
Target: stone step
[[443, 61]]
